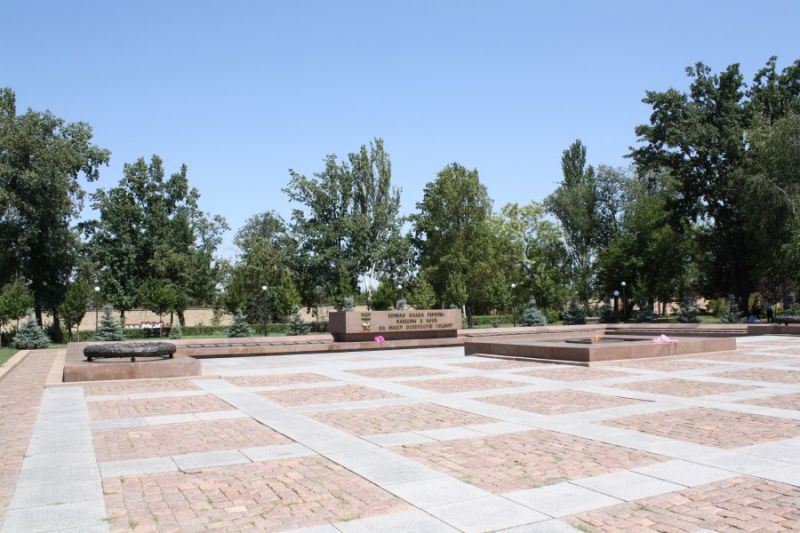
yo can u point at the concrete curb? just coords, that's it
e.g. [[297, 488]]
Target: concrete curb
[[11, 363]]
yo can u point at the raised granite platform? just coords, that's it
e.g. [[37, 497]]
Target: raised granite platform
[[586, 350], [77, 368]]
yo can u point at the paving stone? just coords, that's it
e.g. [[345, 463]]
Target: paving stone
[[397, 439], [55, 517], [561, 499], [438, 491], [740, 462], [401, 471], [136, 467], [789, 475], [60, 492], [485, 514], [498, 428], [192, 461], [628, 485], [279, 451], [403, 522], [685, 473], [450, 433]]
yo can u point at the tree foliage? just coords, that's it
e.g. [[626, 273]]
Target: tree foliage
[[30, 336], [348, 225], [76, 301], [42, 161], [109, 328]]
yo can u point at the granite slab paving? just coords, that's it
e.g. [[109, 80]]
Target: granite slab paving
[[416, 440]]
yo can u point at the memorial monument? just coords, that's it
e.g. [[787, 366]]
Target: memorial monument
[[357, 326]]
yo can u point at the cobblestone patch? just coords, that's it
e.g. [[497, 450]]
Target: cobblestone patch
[[176, 439], [107, 388], [558, 402], [325, 395], [397, 419], [712, 427], [155, 406], [274, 380], [397, 372], [264, 496], [20, 397], [500, 364], [771, 375], [781, 401], [517, 461], [738, 504], [680, 387], [574, 373], [465, 384]]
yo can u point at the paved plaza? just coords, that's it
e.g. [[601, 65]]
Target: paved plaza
[[422, 440]]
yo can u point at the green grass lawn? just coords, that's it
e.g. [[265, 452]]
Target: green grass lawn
[[6, 353]]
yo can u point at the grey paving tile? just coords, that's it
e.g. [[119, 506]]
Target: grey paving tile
[[43, 460], [82, 515], [547, 526], [135, 467], [169, 419], [401, 471], [779, 451], [486, 514], [115, 423], [789, 475], [278, 451], [450, 433], [437, 491], [363, 458], [498, 428], [561, 499], [55, 493], [191, 461], [397, 439], [740, 462], [326, 528], [58, 473], [404, 522], [220, 415], [685, 472], [628, 486]]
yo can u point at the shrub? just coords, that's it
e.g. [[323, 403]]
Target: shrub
[[532, 316], [240, 327], [688, 311], [574, 314], [347, 304], [297, 326], [608, 315], [30, 336], [731, 316], [109, 328], [176, 331], [646, 313]]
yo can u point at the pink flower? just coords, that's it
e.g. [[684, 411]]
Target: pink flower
[[663, 339], [379, 339]]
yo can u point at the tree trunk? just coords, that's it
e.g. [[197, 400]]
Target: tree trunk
[[181, 319], [37, 310], [57, 337]]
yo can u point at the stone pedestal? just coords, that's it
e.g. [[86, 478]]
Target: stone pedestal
[[356, 326]]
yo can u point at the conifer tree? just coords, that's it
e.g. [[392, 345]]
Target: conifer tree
[[240, 327], [646, 313], [30, 336], [732, 316], [574, 314], [688, 311], [532, 315], [297, 326], [176, 332], [109, 328]]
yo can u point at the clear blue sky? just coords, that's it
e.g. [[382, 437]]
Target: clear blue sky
[[243, 91]]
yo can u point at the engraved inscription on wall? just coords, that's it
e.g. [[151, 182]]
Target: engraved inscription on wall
[[408, 321]]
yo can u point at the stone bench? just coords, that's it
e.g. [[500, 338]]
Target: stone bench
[[787, 319], [133, 350]]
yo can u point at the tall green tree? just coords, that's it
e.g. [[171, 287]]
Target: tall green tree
[[534, 255], [701, 138], [76, 301], [574, 204], [266, 258], [15, 301], [42, 161], [151, 228], [453, 237], [348, 226]]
